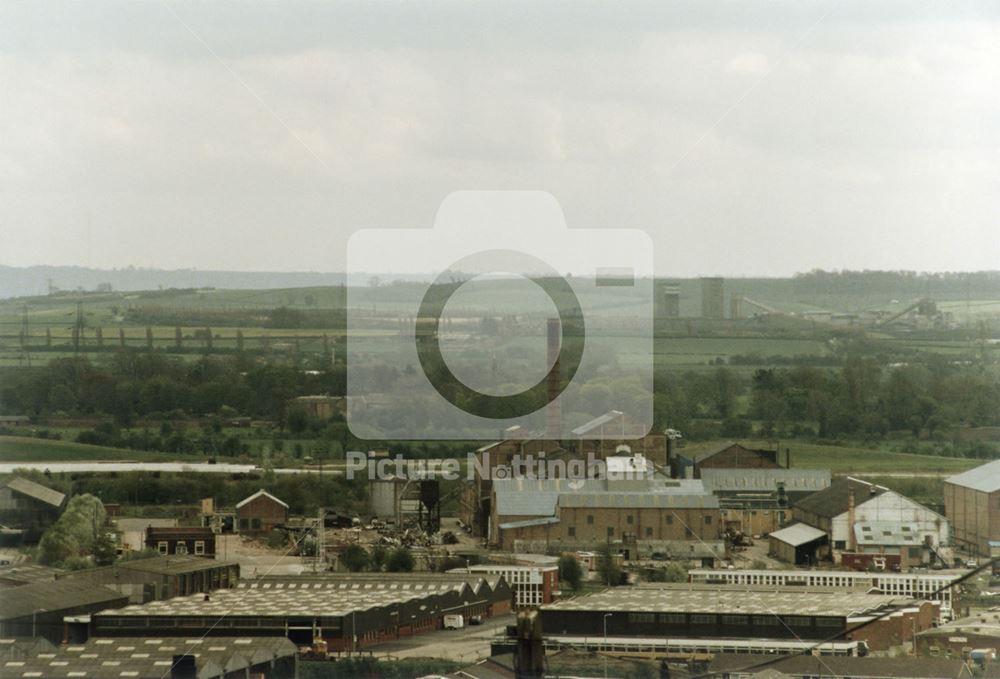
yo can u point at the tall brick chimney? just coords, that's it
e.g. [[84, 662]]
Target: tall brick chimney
[[852, 541], [553, 412]]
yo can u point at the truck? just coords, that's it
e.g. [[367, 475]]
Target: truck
[[454, 621]]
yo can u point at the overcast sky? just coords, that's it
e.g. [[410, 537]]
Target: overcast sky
[[745, 138]]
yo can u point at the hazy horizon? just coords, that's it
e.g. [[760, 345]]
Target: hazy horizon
[[746, 140]]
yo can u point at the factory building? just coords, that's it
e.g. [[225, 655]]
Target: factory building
[[713, 292], [972, 505], [28, 507], [633, 514], [937, 587], [38, 609], [866, 523], [159, 578], [346, 612], [668, 300], [727, 455], [532, 585], [720, 611], [808, 666], [958, 637], [159, 658], [758, 501]]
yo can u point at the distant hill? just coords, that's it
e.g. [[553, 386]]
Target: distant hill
[[34, 280]]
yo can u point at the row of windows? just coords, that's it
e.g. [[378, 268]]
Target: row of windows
[[571, 532], [668, 519], [732, 619], [163, 547]]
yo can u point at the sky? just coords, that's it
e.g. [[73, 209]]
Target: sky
[[745, 138]]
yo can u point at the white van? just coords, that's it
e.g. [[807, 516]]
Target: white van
[[454, 622]]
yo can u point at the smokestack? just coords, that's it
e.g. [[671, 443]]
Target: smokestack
[[553, 412], [852, 543]]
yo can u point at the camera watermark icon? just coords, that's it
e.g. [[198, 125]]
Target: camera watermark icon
[[499, 317]]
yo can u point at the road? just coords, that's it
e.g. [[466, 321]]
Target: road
[[464, 645], [174, 467]]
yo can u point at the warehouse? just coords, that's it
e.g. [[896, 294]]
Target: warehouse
[[38, 609], [972, 504], [161, 577], [758, 501], [29, 506], [347, 612], [937, 587], [260, 513], [157, 658], [981, 630], [732, 666], [583, 514], [717, 611], [797, 544], [532, 585]]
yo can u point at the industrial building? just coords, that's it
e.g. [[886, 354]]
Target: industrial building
[[572, 515], [37, 610], [29, 507], [160, 578], [668, 300], [727, 455], [717, 611], [958, 637], [850, 510], [347, 611], [972, 505], [322, 407], [937, 587], [532, 585], [808, 666], [260, 513], [713, 293], [17, 575], [758, 501], [160, 658], [181, 540], [797, 544]]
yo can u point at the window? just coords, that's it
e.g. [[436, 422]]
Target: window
[[672, 618], [642, 617], [199, 547], [163, 547], [699, 619], [839, 544], [734, 620], [590, 519], [688, 533], [628, 519], [708, 519], [670, 519], [571, 531], [798, 621], [829, 622], [255, 524], [649, 531], [181, 548], [611, 531]]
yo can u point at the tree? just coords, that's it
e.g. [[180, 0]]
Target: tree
[[570, 571], [105, 550], [608, 570], [57, 545], [399, 561], [378, 557], [354, 558]]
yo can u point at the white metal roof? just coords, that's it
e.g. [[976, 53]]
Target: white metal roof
[[798, 534], [985, 478]]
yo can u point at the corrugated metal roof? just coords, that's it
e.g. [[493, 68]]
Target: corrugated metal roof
[[765, 480], [37, 491], [18, 602], [985, 478], [597, 422], [730, 599], [798, 534], [833, 501], [638, 500], [527, 523], [886, 533]]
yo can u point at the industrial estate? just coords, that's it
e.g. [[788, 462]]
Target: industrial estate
[[816, 497]]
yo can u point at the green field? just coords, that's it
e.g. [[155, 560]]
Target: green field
[[854, 460], [25, 449]]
